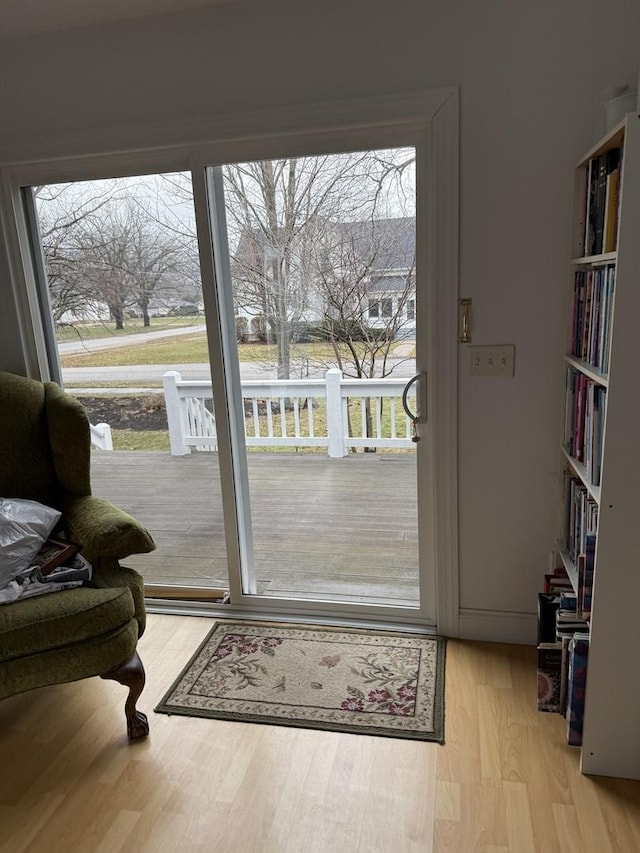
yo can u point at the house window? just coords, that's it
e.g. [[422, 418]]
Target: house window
[[387, 307], [411, 309], [374, 308]]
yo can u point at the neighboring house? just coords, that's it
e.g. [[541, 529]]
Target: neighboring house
[[87, 311], [364, 270], [387, 247]]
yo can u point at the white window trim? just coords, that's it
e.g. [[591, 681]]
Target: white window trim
[[308, 129]]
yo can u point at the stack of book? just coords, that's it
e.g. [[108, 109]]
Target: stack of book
[[603, 196], [591, 315], [563, 641]]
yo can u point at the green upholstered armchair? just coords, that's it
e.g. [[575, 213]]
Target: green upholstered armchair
[[63, 636]]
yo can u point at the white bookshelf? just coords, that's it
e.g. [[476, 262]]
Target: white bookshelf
[[611, 733], [588, 370], [579, 471]]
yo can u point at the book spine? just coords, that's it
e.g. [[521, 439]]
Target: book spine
[[576, 688], [549, 680]]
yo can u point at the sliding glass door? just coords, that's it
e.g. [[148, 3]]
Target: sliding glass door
[[319, 299], [298, 303]]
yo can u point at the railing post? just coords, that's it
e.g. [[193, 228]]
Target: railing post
[[107, 439], [101, 436], [172, 401], [335, 425]]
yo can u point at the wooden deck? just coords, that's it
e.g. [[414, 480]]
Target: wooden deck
[[343, 529]]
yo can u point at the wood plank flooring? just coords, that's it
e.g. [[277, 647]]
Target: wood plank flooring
[[338, 528], [504, 781]]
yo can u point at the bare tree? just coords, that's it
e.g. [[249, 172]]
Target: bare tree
[[62, 208], [102, 247], [276, 210]]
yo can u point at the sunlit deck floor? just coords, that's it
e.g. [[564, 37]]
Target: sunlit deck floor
[[344, 529]]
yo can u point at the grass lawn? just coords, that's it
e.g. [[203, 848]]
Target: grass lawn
[[134, 439], [86, 331], [191, 349], [107, 384]]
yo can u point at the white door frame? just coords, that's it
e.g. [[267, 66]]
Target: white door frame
[[315, 128]]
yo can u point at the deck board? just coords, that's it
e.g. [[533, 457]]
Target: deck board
[[341, 528]]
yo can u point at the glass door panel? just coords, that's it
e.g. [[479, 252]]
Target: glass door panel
[[320, 262], [120, 280]]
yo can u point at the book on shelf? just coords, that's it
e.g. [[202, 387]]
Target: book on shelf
[[568, 601], [549, 657], [576, 686], [581, 517], [602, 202], [586, 563], [611, 210], [591, 315], [556, 582], [564, 673], [585, 411], [568, 625]]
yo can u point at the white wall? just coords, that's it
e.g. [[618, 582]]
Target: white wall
[[533, 80]]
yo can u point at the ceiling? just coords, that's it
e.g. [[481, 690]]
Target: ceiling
[[24, 18]]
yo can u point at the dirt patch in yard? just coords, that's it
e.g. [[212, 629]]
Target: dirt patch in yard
[[139, 413]]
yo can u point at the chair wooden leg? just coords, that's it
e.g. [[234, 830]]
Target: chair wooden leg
[[131, 675]]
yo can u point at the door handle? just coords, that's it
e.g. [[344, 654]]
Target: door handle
[[420, 416]]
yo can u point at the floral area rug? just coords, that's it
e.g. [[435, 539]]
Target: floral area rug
[[375, 683]]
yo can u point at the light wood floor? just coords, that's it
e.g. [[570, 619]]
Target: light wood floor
[[504, 782]]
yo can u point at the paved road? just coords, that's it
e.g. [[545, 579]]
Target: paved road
[[115, 341], [153, 372]]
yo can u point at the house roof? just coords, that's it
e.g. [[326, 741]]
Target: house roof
[[379, 244], [388, 244]]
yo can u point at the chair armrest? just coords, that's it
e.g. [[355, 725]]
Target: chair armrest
[[108, 573], [103, 530]]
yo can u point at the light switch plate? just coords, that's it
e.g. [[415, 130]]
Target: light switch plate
[[492, 360]]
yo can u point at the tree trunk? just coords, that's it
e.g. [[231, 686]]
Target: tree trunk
[[282, 323], [117, 312], [284, 350]]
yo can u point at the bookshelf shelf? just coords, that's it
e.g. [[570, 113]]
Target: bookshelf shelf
[[596, 260], [569, 566], [581, 472], [588, 370], [602, 411]]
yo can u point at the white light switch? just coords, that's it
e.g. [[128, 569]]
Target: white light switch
[[496, 360]]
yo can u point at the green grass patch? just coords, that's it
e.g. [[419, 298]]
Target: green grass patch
[[192, 349], [90, 331], [185, 349], [107, 384], [133, 439]]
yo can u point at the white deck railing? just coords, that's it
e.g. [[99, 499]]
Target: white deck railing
[[333, 412], [101, 436]]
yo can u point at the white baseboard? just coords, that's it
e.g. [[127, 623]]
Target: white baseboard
[[498, 626]]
